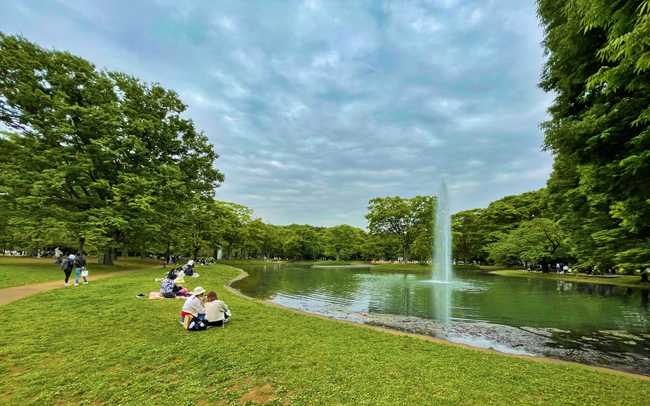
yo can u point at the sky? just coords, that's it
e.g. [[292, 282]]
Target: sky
[[315, 107]]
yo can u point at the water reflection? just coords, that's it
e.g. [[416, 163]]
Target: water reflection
[[579, 315]]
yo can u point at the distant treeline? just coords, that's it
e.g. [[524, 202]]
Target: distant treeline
[[101, 161]]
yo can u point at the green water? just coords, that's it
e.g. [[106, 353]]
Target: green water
[[579, 310]]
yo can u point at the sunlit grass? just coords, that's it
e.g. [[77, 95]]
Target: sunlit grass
[[102, 345], [630, 281], [18, 271]]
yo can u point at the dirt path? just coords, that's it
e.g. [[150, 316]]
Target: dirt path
[[8, 295]]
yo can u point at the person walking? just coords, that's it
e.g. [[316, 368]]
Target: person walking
[[67, 265], [80, 269], [57, 255]]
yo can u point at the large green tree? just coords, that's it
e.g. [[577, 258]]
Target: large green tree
[[599, 69], [98, 152], [533, 241], [403, 218]]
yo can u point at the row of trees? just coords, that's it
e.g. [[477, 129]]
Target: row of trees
[[100, 160]]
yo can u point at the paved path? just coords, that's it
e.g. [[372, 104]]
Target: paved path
[[8, 295]]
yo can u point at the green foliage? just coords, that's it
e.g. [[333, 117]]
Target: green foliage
[[532, 241], [101, 156], [478, 233], [407, 220], [599, 68]]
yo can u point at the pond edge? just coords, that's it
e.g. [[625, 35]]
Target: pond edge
[[540, 359]]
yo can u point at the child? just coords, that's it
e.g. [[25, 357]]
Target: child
[[80, 269]]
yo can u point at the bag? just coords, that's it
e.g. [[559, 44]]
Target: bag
[[197, 325], [84, 272], [192, 323]]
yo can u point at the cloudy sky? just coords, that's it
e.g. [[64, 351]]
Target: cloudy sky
[[317, 106]]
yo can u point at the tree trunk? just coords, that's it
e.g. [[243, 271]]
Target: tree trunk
[[82, 244], [168, 253], [107, 259]]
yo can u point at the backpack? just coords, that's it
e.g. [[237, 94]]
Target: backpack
[[67, 265]]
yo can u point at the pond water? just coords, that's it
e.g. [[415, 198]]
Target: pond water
[[594, 324]]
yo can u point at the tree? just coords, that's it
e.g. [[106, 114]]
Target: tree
[[599, 68], [468, 235], [96, 152], [342, 242], [532, 241], [402, 218]]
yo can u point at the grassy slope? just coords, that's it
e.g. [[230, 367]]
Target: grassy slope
[[629, 281], [17, 271], [101, 344]]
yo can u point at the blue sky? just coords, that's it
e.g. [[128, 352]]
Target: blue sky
[[317, 106]]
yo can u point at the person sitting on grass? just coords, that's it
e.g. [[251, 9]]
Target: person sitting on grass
[[217, 312], [188, 269], [168, 287], [193, 313]]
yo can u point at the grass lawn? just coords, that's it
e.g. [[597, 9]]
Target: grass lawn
[[100, 345], [18, 271], [628, 281]]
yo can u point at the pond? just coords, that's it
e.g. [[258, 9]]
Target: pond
[[593, 324]]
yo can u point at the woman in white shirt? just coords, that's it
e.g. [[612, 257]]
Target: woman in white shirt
[[217, 312], [193, 311]]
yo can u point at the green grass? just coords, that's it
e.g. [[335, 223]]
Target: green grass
[[102, 345], [18, 271], [628, 281]]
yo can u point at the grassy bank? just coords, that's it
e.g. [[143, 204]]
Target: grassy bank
[[18, 271], [102, 345], [395, 267], [628, 281]]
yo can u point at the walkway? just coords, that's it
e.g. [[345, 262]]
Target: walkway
[[8, 295]]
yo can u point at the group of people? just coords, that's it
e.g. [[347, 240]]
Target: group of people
[[201, 311], [76, 263]]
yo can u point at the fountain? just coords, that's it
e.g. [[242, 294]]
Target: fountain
[[441, 269]]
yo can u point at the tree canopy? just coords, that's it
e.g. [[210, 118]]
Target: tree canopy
[[98, 155], [599, 69]]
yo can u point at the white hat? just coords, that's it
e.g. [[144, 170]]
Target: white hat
[[190, 262], [198, 291], [71, 256]]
